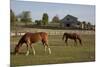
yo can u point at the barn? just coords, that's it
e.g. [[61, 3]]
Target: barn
[[69, 21]]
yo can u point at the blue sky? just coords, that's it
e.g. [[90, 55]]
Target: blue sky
[[82, 12]]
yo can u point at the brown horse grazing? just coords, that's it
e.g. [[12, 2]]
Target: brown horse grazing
[[73, 36], [30, 38]]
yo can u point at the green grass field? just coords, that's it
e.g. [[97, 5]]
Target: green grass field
[[60, 53]]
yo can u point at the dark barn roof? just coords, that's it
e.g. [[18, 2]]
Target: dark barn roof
[[69, 18]]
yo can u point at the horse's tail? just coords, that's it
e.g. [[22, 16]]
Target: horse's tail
[[63, 36], [18, 45]]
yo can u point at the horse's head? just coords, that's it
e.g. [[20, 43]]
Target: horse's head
[[63, 36], [16, 49]]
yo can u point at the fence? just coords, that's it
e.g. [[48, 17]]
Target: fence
[[55, 32]]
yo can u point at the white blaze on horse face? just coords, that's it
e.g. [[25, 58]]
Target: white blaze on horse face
[[27, 53], [49, 50]]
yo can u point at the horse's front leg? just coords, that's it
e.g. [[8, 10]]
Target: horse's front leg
[[66, 41], [28, 43], [27, 53], [32, 49], [75, 44]]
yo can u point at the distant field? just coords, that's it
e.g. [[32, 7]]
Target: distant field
[[60, 53]]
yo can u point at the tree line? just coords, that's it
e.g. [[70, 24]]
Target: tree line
[[25, 17]]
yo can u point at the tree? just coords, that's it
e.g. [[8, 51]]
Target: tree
[[78, 23], [38, 22], [84, 24], [26, 17], [45, 19], [12, 17], [89, 25], [55, 19]]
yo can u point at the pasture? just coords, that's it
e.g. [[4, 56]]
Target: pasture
[[60, 53]]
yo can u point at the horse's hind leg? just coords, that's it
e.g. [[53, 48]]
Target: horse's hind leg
[[49, 50], [46, 46]]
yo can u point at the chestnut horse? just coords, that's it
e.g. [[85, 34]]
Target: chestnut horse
[[30, 38], [73, 36]]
